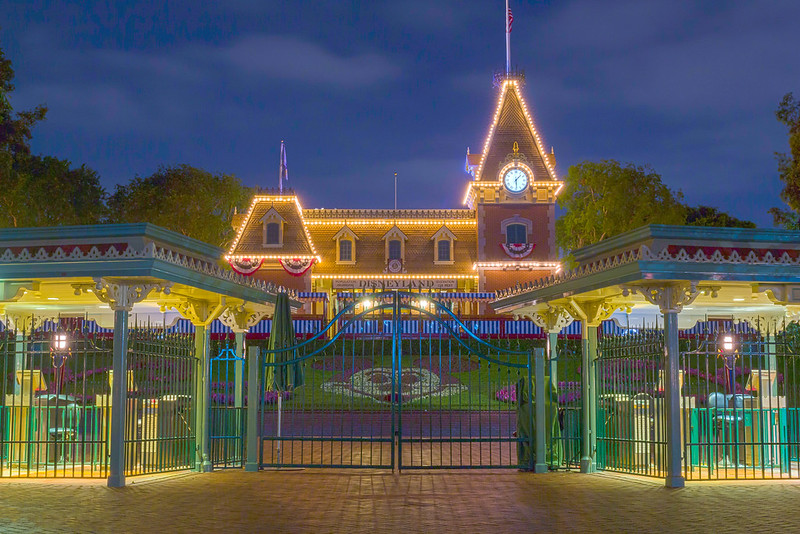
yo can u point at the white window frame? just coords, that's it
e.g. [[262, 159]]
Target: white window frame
[[516, 219], [272, 216], [346, 234], [443, 234]]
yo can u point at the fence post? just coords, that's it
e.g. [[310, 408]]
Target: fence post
[[119, 402], [253, 404], [541, 447]]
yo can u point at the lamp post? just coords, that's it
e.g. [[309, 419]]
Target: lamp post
[[59, 352]]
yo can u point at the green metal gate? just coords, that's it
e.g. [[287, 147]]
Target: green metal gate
[[397, 380]]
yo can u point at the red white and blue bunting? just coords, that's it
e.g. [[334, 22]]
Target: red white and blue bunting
[[297, 267], [518, 250], [246, 266]]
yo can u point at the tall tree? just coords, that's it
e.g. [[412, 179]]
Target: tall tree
[[709, 216], [606, 198], [15, 128], [788, 113], [46, 191], [185, 199]]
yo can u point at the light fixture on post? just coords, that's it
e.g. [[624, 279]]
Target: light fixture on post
[[728, 346], [60, 351]]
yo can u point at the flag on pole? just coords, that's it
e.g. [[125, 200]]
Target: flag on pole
[[283, 170], [510, 20]]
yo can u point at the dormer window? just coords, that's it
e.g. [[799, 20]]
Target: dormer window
[[443, 241], [395, 251], [345, 246], [517, 230], [345, 250], [273, 233], [273, 225]]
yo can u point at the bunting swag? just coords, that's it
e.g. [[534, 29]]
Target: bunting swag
[[297, 267], [246, 266], [518, 250]]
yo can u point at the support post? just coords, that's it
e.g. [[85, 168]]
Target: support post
[[540, 417], [552, 357], [119, 402], [674, 477], [238, 371], [202, 399], [253, 402], [588, 398]]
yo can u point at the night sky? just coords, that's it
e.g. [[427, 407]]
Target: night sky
[[361, 90]]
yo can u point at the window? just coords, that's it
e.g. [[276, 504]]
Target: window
[[273, 233], [395, 250], [345, 250], [516, 233], [443, 250]]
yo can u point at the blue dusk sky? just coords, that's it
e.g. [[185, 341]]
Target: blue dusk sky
[[360, 90]]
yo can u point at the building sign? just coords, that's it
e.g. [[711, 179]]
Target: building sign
[[395, 284]]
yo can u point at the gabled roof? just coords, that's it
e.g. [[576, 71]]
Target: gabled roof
[[445, 231], [271, 214], [296, 240], [513, 123], [394, 230], [344, 232]]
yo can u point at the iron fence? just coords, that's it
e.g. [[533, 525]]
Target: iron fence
[[160, 412], [228, 412], [53, 422]]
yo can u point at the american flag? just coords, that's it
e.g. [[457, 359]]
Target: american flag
[[510, 19], [283, 172]]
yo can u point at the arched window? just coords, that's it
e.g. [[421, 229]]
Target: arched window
[[345, 250], [273, 233], [395, 249], [443, 250], [516, 233]]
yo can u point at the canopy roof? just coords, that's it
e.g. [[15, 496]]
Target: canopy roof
[[730, 271], [62, 270]]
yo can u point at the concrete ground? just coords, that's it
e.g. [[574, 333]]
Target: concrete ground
[[347, 501]]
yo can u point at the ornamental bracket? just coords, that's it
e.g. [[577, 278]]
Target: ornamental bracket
[[122, 294], [552, 320], [240, 318], [199, 312], [670, 297]]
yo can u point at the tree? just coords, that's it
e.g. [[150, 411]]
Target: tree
[[708, 216], [47, 191], [15, 129], [603, 199], [788, 113], [185, 199]]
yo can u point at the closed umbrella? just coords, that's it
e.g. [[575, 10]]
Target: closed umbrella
[[283, 376]]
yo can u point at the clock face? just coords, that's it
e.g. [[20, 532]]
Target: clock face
[[515, 180]]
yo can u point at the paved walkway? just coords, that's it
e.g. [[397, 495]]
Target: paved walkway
[[438, 502]]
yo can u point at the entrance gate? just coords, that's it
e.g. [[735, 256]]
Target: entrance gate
[[397, 380]]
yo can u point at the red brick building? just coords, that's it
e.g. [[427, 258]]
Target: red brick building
[[504, 234]]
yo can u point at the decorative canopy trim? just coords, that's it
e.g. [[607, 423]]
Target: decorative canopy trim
[[679, 254], [149, 251]]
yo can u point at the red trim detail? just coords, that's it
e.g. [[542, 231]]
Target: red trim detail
[[296, 267], [246, 266], [518, 250]]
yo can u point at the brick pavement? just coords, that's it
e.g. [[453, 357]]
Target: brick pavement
[[346, 501]]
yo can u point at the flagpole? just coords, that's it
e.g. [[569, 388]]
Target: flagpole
[[508, 42], [395, 191], [280, 169]]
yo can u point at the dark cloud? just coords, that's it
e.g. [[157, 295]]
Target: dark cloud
[[361, 90]]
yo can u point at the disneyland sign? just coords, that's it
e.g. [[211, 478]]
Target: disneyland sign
[[409, 283]]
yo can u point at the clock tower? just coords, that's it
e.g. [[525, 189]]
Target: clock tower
[[513, 187]]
